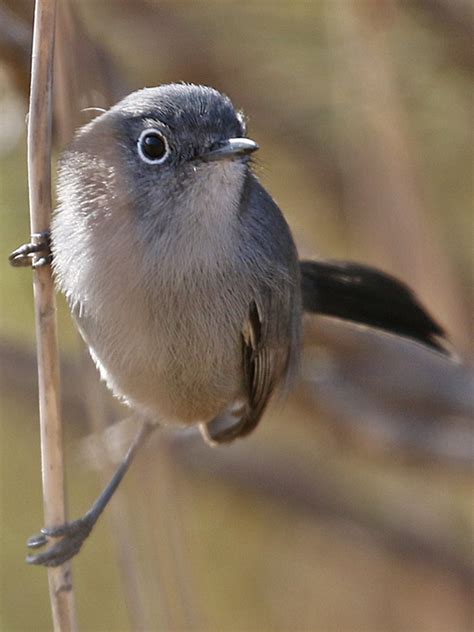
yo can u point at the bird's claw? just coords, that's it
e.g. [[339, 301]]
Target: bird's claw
[[71, 537], [36, 254], [36, 541]]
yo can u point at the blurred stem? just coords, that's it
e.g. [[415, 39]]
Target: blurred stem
[[377, 155], [39, 184], [97, 413]]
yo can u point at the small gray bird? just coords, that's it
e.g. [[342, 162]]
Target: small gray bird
[[178, 266], [183, 277]]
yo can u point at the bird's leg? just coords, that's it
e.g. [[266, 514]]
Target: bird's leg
[[73, 534], [37, 253]]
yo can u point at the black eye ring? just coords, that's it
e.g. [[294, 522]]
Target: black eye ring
[[153, 147]]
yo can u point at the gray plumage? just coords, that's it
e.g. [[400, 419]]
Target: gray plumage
[[182, 275]]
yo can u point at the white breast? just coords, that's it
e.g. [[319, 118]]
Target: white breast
[[152, 310]]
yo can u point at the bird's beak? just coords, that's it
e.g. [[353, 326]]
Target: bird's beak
[[229, 149]]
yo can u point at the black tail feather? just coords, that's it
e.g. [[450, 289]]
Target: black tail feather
[[367, 296]]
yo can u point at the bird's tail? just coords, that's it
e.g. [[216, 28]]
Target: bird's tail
[[367, 296]]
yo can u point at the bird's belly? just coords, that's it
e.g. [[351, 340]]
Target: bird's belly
[[168, 378]]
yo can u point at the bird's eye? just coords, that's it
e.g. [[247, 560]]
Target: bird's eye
[[153, 147]]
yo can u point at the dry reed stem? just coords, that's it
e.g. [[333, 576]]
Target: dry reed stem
[[39, 184]]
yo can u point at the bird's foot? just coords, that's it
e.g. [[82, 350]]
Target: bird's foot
[[36, 254], [71, 537]]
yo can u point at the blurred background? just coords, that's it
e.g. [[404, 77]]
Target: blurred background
[[350, 508]]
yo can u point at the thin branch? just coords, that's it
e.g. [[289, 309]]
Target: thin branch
[[39, 184]]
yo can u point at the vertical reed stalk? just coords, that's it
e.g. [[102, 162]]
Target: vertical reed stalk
[[39, 184]]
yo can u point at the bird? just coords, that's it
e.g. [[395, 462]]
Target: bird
[[183, 277]]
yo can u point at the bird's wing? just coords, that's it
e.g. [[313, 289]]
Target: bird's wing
[[367, 296], [262, 367]]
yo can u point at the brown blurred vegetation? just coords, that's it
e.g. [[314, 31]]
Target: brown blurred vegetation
[[350, 508]]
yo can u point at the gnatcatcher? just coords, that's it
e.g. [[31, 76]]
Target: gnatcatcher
[[182, 274]]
